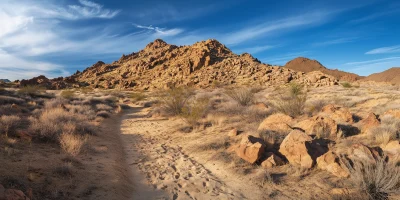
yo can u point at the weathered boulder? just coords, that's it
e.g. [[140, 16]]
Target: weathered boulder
[[318, 125], [295, 147], [369, 123], [330, 162], [272, 161], [361, 152], [250, 149], [337, 113], [392, 149], [277, 122]]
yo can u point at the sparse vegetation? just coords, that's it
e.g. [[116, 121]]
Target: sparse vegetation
[[137, 96], [8, 124], [346, 85], [378, 179], [243, 96], [192, 112], [72, 144], [67, 94], [292, 101], [175, 100], [32, 90]]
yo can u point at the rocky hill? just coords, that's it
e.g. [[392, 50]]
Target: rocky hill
[[391, 75], [5, 80], [203, 64], [307, 65]]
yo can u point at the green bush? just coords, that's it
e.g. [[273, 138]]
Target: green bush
[[32, 90], [194, 111], [292, 101], [174, 100], [243, 96], [67, 94], [137, 96], [346, 85]]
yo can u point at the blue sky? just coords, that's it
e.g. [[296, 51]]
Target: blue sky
[[58, 37]]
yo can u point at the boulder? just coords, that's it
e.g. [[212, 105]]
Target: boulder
[[11, 194], [361, 152], [369, 123], [295, 148], [392, 149], [277, 122], [337, 113], [232, 133], [250, 149], [315, 125], [330, 162], [272, 161]]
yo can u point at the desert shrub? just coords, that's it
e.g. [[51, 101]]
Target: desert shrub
[[390, 121], [31, 90], [85, 110], [10, 100], [175, 100], [67, 94], [8, 124], [54, 103], [315, 106], [383, 134], [53, 122], [292, 101], [346, 85], [192, 112], [64, 170], [378, 179], [104, 107], [103, 114], [137, 96], [271, 138], [243, 96], [72, 144]]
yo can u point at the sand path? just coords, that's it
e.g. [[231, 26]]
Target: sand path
[[162, 170]]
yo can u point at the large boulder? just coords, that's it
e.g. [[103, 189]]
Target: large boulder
[[295, 147], [337, 113], [272, 161], [330, 162], [318, 124], [369, 123], [362, 152], [392, 149], [277, 122], [250, 149]]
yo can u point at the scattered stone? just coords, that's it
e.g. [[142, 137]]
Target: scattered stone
[[272, 161], [361, 152], [316, 124], [250, 149], [330, 162], [232, 133], [369, 123]]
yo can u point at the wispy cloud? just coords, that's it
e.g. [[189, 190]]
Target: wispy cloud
[[256, 49], [274, 27], [368, 67], [383, 50], [161, 31], [334, 41], [90, 9], [373, 16]]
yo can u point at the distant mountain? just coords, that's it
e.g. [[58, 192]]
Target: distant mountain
[[307, 65], [5, 80], [391, 75]]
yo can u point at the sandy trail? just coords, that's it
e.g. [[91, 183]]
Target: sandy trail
[[162, 170]]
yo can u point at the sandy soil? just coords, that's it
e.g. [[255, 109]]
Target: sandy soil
[[163, 170]]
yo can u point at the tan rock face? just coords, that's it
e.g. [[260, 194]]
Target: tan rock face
[[250, 149], [161, 65], [337, 113], [295, 148], [394, 112], [330, 162], [392, 149], [272, 161], [369, 123], [318, 124], [361, 152], [277, 122]]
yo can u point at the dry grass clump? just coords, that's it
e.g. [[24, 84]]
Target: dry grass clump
[[67, 94], [53, 122], [384, 134], [72, 144], [10, 100], [378, 179], [137, 96], [346, 85], [243, 96], [315, 106], [34, 91], [54, 103], [175, 100], [104, 107], [194, 111], [292, 101], [83, 110], [8, 124], [103, 114]]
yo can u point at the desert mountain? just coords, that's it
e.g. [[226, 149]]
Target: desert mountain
[[307, 65], [5, 80], [205, 63], [391, 75]]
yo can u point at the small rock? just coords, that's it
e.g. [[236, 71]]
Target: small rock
[[369, 123], [272, 161], [330, 162], [232, 133], [294, 148], [250, 149]]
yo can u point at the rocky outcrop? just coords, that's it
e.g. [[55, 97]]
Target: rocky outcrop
[[162, 65], [319, 125], [250, 149], [337, 113], [277, 122], [330, 162], [306, 65], [370, 122], [51, 84]]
